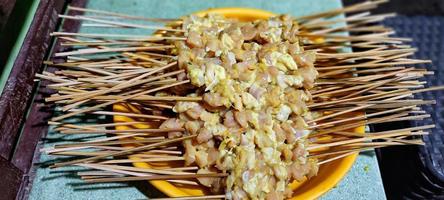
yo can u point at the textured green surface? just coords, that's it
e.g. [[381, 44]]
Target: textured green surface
[[362, 182]]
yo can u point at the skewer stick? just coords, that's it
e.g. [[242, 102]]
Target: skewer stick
[[110, 50], [143, 170], [154, 177], [373, 137], [125, 16], [104, 141], [102, 167], [143, 160], [160, 130], [120, 100], [132, 82], [337, 157], [145, 116], [353, 8], [83, 18], [120, 142], [125, 152], [361, 117]]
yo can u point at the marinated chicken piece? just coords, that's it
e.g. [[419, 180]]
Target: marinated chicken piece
[[192, 126], [241, 118], [257, 91], [236, 35], [209, 144], [190, 152], [262, 79], [172, 123], [290, 32], [228, 60], [209, 118], [304, 59], [273, 195], [213, 45], [249, 101], [252, 118], [283, 61], [214, 74], [288, 154], [204, 135], [195, 112], [248, 31], [243, 56], [309, 74], [239, 69], [229, 120], [289, 132], [299, 171], [201, 158], [214, 99], [265, 119], [296, 100], [313, 168], [183, 106], [207, 181], [237, 103], [273, 71], [182, 76], [213, 154], [197, 54], [299, 152], [273, 97], [239, 194], [280, 133], [196, 75], [227, 43], [283, 113], [194, 39]]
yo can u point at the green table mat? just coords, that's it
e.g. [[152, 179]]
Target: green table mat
[[362, 182]]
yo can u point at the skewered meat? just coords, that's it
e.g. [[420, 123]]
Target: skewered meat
[[254, 79]]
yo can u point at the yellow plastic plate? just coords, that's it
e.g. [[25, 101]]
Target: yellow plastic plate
[[328, 176]]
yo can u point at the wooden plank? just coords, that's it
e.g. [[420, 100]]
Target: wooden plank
[[11, 179], [36, 123], [17, 150], [18, 88], [26, 145]]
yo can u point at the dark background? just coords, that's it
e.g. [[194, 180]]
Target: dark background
[[408, 7], [412, 172]]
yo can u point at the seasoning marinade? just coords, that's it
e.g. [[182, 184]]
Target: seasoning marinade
[[254, 78]]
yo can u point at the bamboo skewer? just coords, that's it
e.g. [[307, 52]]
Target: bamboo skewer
[[132, 82], [119, 14], [108, 50], [119, 23], [124, 131], [335, 158], [125, 152], [138, 174], [154, 177], [108, 140], [117, 101]]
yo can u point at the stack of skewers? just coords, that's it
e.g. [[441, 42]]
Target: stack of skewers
[[374, 84]]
